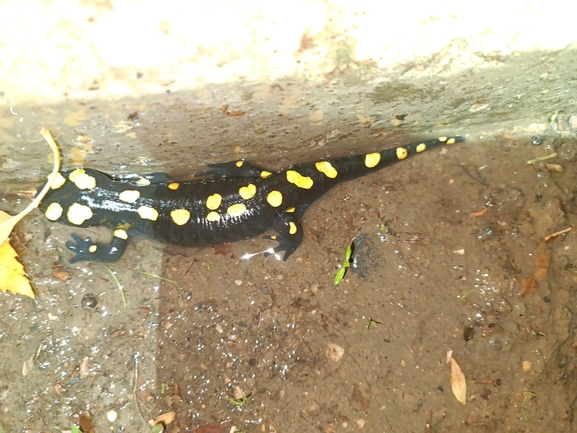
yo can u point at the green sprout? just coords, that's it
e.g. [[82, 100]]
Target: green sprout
[[370, 323], [119, 285], [527, 396], [158, 428], [148, 274], [466, 294], [163, 388], [238, 402], [346, 265], [553, 119]]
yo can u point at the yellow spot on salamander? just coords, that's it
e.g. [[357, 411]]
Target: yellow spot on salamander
[[148, 213], [451, 141], [274, 198], [212, 216], [78, 213], [264, 174], [92, 248], [213, 201], [327, 169], [120, 233], [236, 209], [372, 159], [142, 182], [53, 211], [292, 228], [290, 209], [81, 179], [402, 153], [442, 138], [173, 186], [129, 196], [239, 163], [247, 192], [299, 180], [59, 181], [180, 216], [421, 147]]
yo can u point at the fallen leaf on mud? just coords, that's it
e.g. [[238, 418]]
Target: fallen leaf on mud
[[458, 382], [164, 419], [85, 422], [358, 397], [334, 352], [223, 250], [60, 273], [12, 275], [28, 366], [542, 258], [479, 213], [554, 167]]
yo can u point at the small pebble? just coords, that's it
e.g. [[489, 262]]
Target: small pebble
[[334, 352], [89, 301], [527, 366], [111, 415], [555, 167], [537, 140]]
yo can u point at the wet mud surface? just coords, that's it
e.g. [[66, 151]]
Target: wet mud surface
[[443, 243]]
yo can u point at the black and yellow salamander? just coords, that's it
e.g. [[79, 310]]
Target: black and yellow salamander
[[237, 200]]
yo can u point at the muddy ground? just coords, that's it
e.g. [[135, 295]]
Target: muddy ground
[[442, 245]]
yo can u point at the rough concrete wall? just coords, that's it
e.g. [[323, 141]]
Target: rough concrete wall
[[54, 49], [144, 82]]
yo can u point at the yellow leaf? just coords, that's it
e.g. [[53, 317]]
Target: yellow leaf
[[12, 275], [458, 382]]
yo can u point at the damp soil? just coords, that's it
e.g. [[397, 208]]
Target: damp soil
[[444, 244]]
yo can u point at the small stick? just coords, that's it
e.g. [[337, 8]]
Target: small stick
[[560, 232]]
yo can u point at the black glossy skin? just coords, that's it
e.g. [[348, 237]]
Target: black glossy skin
[[224, 179]]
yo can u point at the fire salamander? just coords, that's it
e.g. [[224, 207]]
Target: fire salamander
[[234, 201]]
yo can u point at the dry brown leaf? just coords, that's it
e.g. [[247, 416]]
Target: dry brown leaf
[[542, 259], [59, 272], [85, 422], [12, 275], [357, 396], [479, 213], [542, 256], [164, 418], [458, 382], [527, 286]]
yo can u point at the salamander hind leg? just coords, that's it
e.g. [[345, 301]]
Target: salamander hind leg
[[289, 237], [87, 251]]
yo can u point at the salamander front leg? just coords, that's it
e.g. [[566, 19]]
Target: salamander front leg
[[87, 251], [289, 237]]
